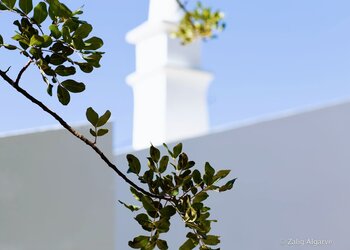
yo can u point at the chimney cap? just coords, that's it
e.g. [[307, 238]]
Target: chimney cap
[[149, 29]]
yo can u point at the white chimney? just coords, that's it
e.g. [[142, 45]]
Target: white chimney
[[170, 90]]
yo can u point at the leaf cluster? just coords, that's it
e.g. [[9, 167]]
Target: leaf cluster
[[183, 190], [202, 22], [97, 122], [59, 50]]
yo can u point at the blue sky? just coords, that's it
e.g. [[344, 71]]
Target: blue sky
[[274, 56]]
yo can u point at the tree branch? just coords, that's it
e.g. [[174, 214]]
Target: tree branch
[[22, 71], [182, 6], [75, 133]]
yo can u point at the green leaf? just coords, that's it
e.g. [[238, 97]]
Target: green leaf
[[83, 31], [40, 13], [102, 132], [93, 133], [200, 197], [194, 190], [211, 240], [1, 40], [78, 43], [63, 95], [25, 46], [148, 176], [154, 153], [163, 164], [37, 53], [167, 148], [55, 32], [23, 40], [93, 59], [196, 175], [168, 211], [66, 34], [93, 43], [151, 164], [139, 242], [78, 12], [209, 170], [92, 116], [221, 174], [49, 89], [65, 11], [182, 162], [85, 67], [9, 46], [58, 9], [190, 215], [36, 40], [47, 41], [18, 37], [18, 24], [163, 225], [192, 236], [147, 203], [9, 3], [144, 221], [175, 192], [209, 173], [73, 86], [57, 59], [162, 244], [26, 5], [177, 150], [190, 164], [188, 245], [137, 195], [71, 24], [104, 119], [132, 208], [227, 186], [65, 71], [2, 7], [134, 164], [67, 51]]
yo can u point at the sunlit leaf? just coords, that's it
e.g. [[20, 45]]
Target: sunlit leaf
[[83, 31], [40, 13], [9, 3], [132, 208], [93, 43], [26, 5]]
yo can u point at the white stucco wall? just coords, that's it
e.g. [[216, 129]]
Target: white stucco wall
[[55, 193], [293, 183]]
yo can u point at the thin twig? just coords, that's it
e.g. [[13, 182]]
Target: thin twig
[[74, 132], [22, 71], [182, 6]]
